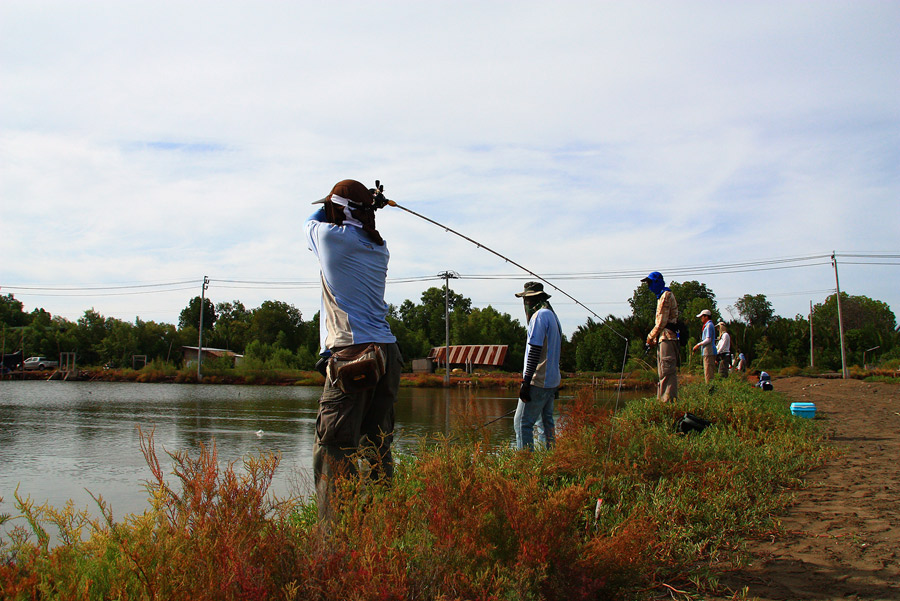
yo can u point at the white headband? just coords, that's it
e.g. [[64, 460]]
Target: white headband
[[348, 218], [339, 200]]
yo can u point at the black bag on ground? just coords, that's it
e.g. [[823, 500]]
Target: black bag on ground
[[691, 423]]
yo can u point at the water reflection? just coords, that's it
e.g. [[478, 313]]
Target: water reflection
[[59, 440]]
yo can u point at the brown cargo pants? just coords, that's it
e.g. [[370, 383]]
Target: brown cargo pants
[[667, 367], [355, 427]]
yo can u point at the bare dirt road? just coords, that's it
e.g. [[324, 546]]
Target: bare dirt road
[[841, 536]]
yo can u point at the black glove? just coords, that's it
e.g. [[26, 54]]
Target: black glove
[[525, 390]]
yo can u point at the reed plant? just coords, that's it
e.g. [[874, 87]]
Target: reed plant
[[620, 505]]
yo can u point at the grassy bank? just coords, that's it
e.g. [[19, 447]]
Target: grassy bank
[[460, 520]]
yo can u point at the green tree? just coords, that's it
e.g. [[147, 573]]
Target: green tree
[[119, 345], [90, 330], [233, 325], [867, 323], [428, 316], [11, 312], [155, 340], [190, 315], [278, 322], [755, 309], [599, 345], [413, 344]]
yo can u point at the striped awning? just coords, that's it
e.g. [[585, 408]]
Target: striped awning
[[475, 354]]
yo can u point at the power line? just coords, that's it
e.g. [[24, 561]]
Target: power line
[[670, 273], [92, 295], [92, 287]]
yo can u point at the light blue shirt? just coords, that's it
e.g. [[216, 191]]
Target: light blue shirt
[[544, 331], [708, 339], [353, 272]]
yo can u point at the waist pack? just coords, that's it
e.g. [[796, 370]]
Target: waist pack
[[680, 329], [357, 368]]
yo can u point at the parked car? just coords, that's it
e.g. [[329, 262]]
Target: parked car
[[40, 363]]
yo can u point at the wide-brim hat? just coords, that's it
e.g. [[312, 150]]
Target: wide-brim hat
[[532, 289]]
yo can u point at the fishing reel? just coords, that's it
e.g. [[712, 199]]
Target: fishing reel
[[378, 199]]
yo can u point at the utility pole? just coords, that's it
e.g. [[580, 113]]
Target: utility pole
[[844, 373], [447, 275], [812, 359], [200, 335]]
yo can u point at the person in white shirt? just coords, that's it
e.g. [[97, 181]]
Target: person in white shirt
[[723, 349]]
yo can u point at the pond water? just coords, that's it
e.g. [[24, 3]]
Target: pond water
[[59, 440]]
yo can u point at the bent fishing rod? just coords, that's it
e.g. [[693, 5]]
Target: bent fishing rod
[[382, 201]]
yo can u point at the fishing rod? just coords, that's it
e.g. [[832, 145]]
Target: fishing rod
[[507, 414], [378, 191], [380, 201]]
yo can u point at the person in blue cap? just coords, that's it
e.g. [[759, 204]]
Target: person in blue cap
[[664, 335]]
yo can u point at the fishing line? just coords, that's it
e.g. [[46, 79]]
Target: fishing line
[[604, 321], [510, 261]]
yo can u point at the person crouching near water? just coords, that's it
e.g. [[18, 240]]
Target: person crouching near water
[[707, 344], [723, 349], [663, 334], [356, 410], [540, 376]]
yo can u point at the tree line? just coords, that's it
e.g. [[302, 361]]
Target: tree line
[[276, 334]]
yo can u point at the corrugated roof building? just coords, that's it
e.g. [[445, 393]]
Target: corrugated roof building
[[474, 355]]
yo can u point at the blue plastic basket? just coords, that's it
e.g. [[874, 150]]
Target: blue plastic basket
[[807, 410]]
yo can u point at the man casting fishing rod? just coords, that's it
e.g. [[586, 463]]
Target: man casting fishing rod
[[360, 357]]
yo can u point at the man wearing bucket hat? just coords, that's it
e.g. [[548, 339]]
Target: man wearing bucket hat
[[540, 376], [707, 344], [663, 334], [360, 353]]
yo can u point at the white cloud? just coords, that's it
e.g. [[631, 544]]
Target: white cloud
[[165, 141]]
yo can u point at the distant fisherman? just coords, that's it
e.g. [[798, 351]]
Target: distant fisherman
[[540, 376], [707, 344], [663, 334], [723, 349]]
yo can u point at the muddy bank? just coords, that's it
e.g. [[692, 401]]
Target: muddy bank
[[841, 537]]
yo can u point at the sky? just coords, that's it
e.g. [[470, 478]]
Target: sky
[[145, 145]]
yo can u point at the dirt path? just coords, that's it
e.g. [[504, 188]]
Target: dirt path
[[842, 534]]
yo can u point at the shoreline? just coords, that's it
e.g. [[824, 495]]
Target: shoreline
[[501, 380]]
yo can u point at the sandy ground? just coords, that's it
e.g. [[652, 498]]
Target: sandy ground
[[841, 536]]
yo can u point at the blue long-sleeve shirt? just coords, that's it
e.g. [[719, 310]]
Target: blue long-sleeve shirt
[[354, 274]]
